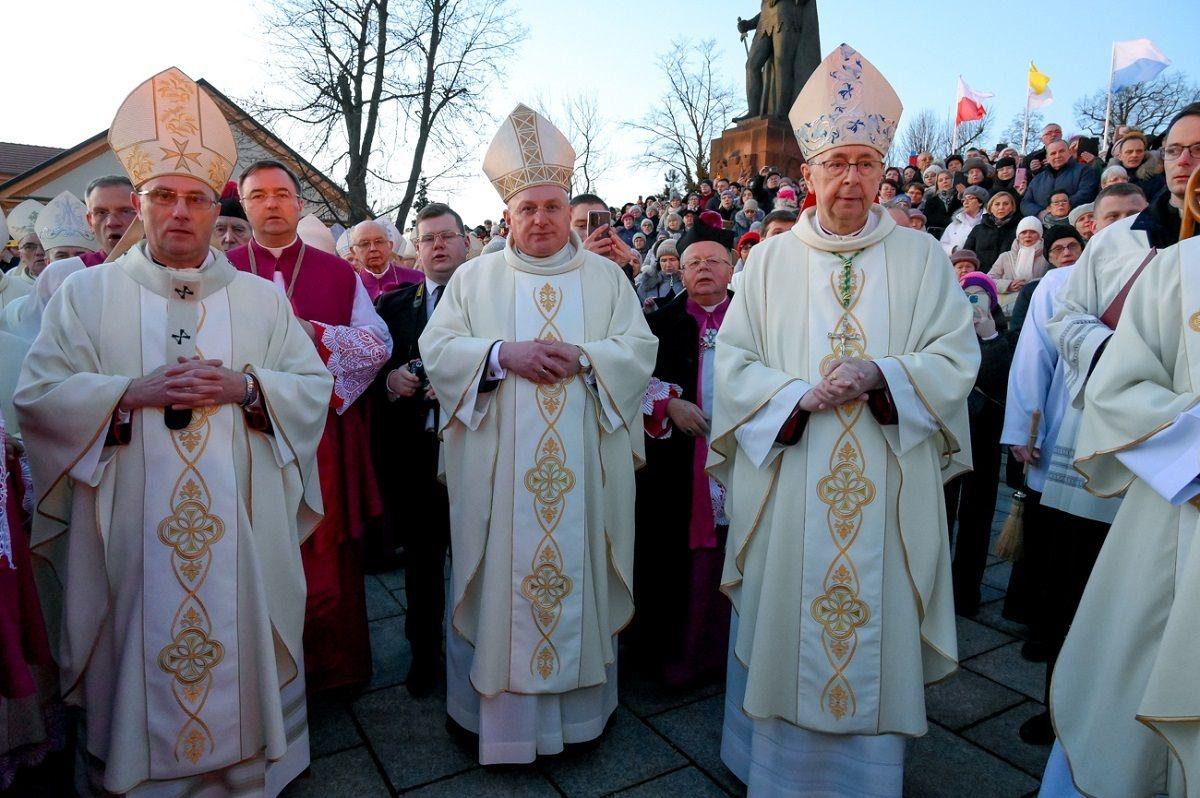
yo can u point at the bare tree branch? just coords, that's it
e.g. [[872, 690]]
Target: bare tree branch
[[694, 110], [929, 131], [1146, 106]]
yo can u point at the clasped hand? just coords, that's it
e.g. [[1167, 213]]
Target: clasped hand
[[189, 383], [849, 380], [542, 362]]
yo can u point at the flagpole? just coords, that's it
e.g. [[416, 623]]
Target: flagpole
[[1025, 130], [1112, 65]]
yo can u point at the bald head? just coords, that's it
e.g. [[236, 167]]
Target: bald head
[[371, 245], [707, 270]]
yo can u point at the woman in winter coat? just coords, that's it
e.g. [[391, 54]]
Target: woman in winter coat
[[1021, 264], [660, 278], [964, 220], [996, 233], [940, 203], [748, 215], [672, 225]]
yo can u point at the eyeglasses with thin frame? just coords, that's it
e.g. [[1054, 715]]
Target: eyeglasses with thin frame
[[837, 168], [445, 236], [1062, 249], [696, 263], [1173, 152], [120, 213], [376, 243], [167, 198], [258, 197]]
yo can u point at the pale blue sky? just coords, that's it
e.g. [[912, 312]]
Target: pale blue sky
[[609, 48]]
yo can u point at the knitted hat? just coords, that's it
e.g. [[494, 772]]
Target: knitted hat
[[981, 280], [748, 238], [978, 192], [666, 247], [1006, 161], [965, 255], [1080, 210], [916, 214], [1029, 223], [1059, 231]]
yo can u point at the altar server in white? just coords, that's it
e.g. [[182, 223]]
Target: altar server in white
[[843, 369], [539, 355]]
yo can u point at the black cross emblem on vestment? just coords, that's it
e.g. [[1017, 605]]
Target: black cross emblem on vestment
[[181, 336], [185, 292]]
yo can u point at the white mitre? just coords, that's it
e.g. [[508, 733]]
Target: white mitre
[[170, 126], [22, 220], [528, 151], [410, 249], [392, 232], [845, 101], [343, 244], [313, 232], [3, 229], [63, 223]]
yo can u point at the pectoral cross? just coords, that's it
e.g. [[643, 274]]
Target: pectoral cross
[[843, 339], [181, 336]]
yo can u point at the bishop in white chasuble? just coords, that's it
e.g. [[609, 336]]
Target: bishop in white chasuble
[[540, 480], [174, 551], [1125, 699]]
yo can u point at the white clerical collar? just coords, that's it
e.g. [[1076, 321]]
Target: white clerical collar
[[207, 260], [276, 251], [711, 308], [431, 286], [557, 259], [824, 232]]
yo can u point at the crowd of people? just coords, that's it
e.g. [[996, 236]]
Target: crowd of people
[[588, 429]]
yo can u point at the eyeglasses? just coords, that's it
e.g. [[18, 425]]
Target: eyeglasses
[[1173, 152], [256, 197], [446, 236], [166, 198], [120, 213], [1062, 249], [711, 263], [374, 243], [838, 168], [30, 247]]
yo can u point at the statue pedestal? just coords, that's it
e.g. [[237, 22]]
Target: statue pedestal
[[741, 151]]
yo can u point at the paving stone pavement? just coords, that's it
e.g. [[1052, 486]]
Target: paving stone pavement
[[667, 743]]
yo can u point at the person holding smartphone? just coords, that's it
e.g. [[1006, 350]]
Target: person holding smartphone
[[971, 498]]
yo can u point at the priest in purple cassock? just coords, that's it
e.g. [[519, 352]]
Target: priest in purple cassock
[[681, 629]]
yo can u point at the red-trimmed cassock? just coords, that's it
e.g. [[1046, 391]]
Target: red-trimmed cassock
[[354, 342]]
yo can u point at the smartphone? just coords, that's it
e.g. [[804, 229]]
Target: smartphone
[[597, 219], [1022, 177]]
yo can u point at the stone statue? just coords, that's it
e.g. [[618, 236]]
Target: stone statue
[[785, 51]]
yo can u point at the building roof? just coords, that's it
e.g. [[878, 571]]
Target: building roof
[[18, 158]]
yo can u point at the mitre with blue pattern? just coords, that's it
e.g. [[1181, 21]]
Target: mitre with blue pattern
[[528, 151], [63, 223], [845, 101], [22, 220], [170, 126]]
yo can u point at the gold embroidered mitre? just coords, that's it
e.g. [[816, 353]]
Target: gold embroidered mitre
[[63, 223], [845, 101], [528, 151], [170, 126], [23, 219]]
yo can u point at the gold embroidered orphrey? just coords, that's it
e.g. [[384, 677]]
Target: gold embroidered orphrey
[[548, 483], [533, 169], [846, 490], [190, 531]]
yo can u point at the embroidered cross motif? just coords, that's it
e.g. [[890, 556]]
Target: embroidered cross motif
[[844, 338], [185, 292], [181, 336]]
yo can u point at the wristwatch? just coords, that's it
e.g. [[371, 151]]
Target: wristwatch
[[585, 365]]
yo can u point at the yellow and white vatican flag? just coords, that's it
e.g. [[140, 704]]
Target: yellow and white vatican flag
[[1039, 88]]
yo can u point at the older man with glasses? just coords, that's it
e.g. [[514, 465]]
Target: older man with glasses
[[376, 268], [842, 373]]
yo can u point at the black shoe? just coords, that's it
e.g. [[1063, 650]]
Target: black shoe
[[1037, 730], [423, 677], [1035, 651]]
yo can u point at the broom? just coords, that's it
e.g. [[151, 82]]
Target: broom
[[1008, 545]]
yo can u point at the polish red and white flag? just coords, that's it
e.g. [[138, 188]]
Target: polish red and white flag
[[970, 103]]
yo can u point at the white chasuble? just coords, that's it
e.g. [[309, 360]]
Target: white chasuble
[[837, 562], [190, 617], [549, 547], [1125, 697], [847, 471]]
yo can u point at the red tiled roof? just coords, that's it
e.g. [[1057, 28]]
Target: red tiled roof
[[17, 159]]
